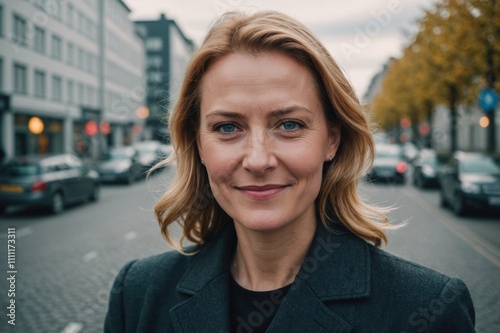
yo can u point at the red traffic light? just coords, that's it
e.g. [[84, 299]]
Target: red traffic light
[[91, 128]]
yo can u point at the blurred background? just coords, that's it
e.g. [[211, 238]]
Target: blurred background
[[85, 88]]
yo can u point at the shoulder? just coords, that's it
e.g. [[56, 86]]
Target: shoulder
[[408, 278], [141, 282], [427, 298], [145, 271], [393, 266]]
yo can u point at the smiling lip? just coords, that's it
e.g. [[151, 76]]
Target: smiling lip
[[261, 192]]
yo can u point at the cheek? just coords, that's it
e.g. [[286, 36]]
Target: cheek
[[220, 164]]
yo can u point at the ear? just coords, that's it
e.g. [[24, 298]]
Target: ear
[[334, 141]]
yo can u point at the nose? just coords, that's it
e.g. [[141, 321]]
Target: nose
[[259, 156]]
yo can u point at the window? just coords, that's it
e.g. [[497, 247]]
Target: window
[[80, 57], [154, 44], [56, 47], [39, 84], [90, 96], [70, 91], [154, 78], [1, 20], [56, 88], [20, 29], [91, 60], [154, 61], [39, 39], [70, 54], [20, 79], [1, 74], [53, 8], [81, 94], [70, 12], [40, 4], [90, 63], [79, 22]]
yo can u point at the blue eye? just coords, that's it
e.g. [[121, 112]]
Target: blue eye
[[290, 125], [226, 128]]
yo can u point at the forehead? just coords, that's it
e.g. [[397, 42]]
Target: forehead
[[258, 76]]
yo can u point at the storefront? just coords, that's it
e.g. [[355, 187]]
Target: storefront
[[37, 135]]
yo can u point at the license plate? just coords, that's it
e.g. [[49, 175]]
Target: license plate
[[495, 201], [11, 188]]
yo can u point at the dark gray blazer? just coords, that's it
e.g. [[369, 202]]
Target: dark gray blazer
[[344, 285]]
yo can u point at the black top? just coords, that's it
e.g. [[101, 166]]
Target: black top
[[253, 311]]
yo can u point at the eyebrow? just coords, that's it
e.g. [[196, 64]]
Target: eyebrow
[[272, 114]]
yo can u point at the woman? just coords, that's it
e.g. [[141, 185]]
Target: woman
[[270, 142]]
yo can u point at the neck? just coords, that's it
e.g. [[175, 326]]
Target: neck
[[270, 260]]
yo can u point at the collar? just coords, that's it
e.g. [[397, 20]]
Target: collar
[[336, 267]]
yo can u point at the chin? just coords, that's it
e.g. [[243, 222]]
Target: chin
[[261, 223]]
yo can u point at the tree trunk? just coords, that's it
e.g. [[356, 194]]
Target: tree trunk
[[453, 116]]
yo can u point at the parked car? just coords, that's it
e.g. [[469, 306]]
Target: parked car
[[470, 180], [151, 152], [47, 181], [409, 152], [388, 164], [119, 164], [426, 169]]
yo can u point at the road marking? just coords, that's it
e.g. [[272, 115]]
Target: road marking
[[72, 328], [130, 235], [24, 232], [89, 256], [480, 244]]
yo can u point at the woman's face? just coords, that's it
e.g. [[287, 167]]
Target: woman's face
[[264, 139]]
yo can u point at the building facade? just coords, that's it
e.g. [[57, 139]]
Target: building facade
[[168, 51], [71, 74]]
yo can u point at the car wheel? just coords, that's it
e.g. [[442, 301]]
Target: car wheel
[[459, 206], [130, 177], [57, 204], [3, 209], [94, 195], [419, 182], [442, 199]]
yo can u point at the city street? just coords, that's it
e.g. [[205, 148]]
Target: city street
[[67, 263]]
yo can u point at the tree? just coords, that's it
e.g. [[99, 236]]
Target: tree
[[455, 53]]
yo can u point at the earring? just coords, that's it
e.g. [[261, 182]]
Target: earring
[[203, 162], [331, 158]]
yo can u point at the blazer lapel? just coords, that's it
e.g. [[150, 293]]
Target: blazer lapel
[[303, 311], [337, 267], [207, 280], [206, 311]]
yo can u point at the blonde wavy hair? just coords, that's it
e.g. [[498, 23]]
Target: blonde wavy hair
[[189, 200]]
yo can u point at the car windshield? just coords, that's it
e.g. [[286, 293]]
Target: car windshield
[[19, 169], [146, 149], [119, 154], [387, 152], [485, 165], [431, 160]]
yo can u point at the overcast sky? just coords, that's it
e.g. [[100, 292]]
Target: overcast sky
[[360, 34]]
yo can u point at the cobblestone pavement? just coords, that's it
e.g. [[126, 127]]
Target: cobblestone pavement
[[67, 263]]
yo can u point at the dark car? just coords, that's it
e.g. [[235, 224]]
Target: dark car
[[47, 181], [151, 152], [119, 164], [426, 169], [148, 153], [388, 165], [470, 180]]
